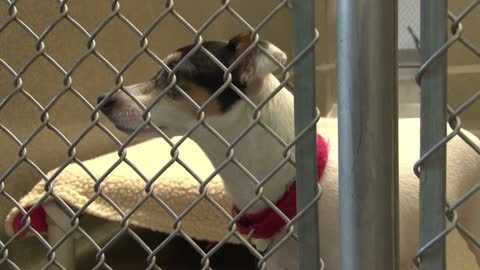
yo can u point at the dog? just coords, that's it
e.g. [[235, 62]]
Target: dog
[[200, 79]]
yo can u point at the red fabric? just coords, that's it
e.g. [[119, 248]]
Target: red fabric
[[38, 221], [267, 222]]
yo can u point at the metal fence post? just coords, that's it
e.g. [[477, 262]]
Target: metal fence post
[[433, 129], [367, 80], [306, 163]]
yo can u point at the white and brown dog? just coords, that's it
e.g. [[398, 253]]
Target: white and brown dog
[[258, 151]]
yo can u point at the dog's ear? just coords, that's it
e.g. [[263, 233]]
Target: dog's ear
[[255, 64]]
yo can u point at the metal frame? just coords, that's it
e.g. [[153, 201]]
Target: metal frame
[[305, 126], [433, 129], [430, 168], [368, 173]]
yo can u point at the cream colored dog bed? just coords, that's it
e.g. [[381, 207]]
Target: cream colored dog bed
[[176, 187]]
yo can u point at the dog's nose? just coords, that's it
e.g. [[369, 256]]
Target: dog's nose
[[107, 105]]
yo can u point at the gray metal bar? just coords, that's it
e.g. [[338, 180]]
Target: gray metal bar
[[305, 150], [433, 129], [368, 168]]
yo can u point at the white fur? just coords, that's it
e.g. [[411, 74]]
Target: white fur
[[262, 65], [259, 152], [267, 153]]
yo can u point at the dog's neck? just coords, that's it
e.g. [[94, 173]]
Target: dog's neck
[[258, 151]]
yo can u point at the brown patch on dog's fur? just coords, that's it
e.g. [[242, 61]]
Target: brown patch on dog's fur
[[199, 94], [242, 41]]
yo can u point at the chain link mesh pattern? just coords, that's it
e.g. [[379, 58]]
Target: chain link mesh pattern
[[17, 76], [225, 7], [454, 121]]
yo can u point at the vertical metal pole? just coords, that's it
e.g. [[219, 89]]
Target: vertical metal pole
[[367, 79], [305, 150], [433, 129]]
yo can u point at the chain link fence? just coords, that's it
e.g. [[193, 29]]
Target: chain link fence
[[430, 250], [225, 8], [304, 50]]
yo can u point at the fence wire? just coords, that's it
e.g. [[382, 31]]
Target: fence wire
[[454, 121], [225, 7], [19, 88]]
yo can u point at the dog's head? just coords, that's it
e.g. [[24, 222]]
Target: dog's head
[[198, 77]]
